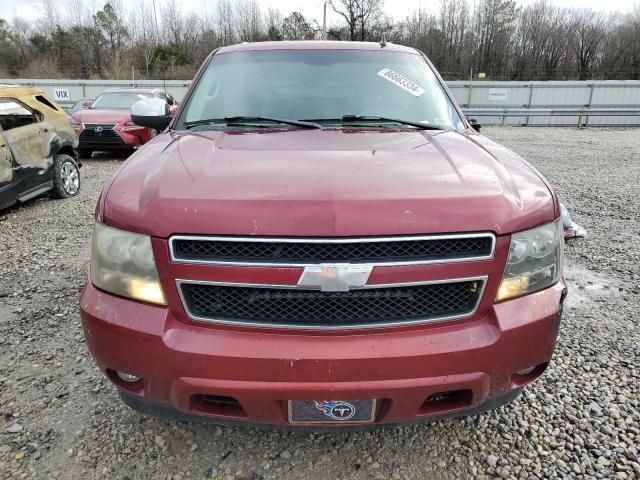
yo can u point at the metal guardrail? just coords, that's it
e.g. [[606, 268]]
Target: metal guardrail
[[582, 115], [564, 103], [539, 103]]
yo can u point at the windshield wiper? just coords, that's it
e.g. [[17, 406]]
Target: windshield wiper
[[239, 120], [376, 119]]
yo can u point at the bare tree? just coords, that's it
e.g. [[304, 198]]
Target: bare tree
[[494, 21], [297, 27], [248, 20], [225, 15], [273, 22], [348, 10], [416, 30], [542, 40], [453, 24], [556, 48], [49, 16], [621, 49], [369, 14], [172, 21], [590, 28]]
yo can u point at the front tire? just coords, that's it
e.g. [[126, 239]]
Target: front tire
[[66, 177]]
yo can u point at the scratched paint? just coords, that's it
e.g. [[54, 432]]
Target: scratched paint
[[6, 172], [31, 145]]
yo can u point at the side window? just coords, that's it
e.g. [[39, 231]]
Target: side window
[[14, 114], [45, 101]]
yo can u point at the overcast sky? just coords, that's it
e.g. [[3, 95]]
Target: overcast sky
[[398, 9]]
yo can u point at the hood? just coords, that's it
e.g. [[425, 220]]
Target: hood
[[325, 183], [102, 116]]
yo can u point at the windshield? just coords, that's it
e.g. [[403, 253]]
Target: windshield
[[321, 85], [118, 100]]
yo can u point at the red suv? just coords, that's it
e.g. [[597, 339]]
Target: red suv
[[105, 124], [320, 238]]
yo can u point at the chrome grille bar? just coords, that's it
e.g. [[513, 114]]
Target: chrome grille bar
[[302, 252]]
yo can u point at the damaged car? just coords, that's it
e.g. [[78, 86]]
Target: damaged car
[[38, 147]]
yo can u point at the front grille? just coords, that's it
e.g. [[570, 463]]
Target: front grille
[[312, 308], [366, 250], [106, 135]]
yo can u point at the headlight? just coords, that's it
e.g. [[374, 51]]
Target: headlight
[[123, 263], [535, 261], [129, 127], [76, 125]]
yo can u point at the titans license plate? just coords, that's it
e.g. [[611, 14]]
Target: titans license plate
[[331, 411]]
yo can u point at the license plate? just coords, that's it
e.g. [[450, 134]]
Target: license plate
[[331, 411]]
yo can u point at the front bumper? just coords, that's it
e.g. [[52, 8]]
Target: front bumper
[[473, 362]]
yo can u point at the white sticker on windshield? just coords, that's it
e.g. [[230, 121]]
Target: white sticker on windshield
[[401, 81]]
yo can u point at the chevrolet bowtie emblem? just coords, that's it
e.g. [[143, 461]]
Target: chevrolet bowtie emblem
[[335, 277]]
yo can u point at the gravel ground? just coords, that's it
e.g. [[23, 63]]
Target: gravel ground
[[60, 419]]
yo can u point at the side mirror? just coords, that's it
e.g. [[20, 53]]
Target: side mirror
[[86, 104], [474, 124], [151, 113]]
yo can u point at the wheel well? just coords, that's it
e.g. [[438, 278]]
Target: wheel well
[[69, 150]]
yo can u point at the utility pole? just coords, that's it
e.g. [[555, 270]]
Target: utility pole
[[324, 18], [324, 21]]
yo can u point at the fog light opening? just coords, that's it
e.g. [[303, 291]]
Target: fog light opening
[[528, 374], [127, 377], [126, 381], [444, 401], [218, 405], [525, 371]]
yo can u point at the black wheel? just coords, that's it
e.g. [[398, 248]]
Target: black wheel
[[66, 176], [85, 153]]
